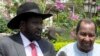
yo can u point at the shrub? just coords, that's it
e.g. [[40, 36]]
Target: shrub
[[3, 25], [59, 45]]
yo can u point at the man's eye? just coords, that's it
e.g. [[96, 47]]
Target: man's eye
[[83, 34], [91, 35]]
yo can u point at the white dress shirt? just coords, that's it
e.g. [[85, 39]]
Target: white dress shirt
[[27, 47]]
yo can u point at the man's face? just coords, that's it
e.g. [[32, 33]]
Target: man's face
[[33, 28], [86, 36]]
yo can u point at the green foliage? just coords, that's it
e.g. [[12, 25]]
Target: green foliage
[[3, 25], [67, 26], [60, 38], [96, 19], [97, 41], [98, 2], [78, 2], [59, 45], [42, 5]]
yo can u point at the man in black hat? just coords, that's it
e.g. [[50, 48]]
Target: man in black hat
[[28, 41]]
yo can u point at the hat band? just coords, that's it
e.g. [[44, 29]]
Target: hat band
[[34, 11]]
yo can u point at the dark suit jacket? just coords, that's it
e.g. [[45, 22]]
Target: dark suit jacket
[[13, 46]]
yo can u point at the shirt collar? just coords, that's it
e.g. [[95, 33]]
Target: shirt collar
[[26, 42]]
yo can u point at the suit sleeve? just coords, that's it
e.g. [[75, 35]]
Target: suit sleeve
[[62, 53], [1, 51], [53, 52], [1, 48]]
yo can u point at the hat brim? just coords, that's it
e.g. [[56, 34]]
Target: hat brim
[[15, 22]]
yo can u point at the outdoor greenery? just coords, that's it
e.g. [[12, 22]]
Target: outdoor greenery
[[59, 45], [3, 25]]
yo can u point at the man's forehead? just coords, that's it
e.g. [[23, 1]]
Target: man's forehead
[[87, 23], [84, 25]]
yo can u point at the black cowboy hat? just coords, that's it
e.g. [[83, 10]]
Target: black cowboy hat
[[26, 10]]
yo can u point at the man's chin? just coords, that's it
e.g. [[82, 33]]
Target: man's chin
[[88, 48]]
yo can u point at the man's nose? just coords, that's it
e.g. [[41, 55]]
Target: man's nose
[[87, 38]]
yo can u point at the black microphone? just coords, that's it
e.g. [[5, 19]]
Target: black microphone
[[62, 53]]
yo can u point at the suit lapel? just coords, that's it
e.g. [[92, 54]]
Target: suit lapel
[[43, 47], [18, 45]]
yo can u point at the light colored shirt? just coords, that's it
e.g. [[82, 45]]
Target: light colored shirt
[[27, 47], [72, 50]]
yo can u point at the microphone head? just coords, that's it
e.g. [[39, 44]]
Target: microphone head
[[62, 53]]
